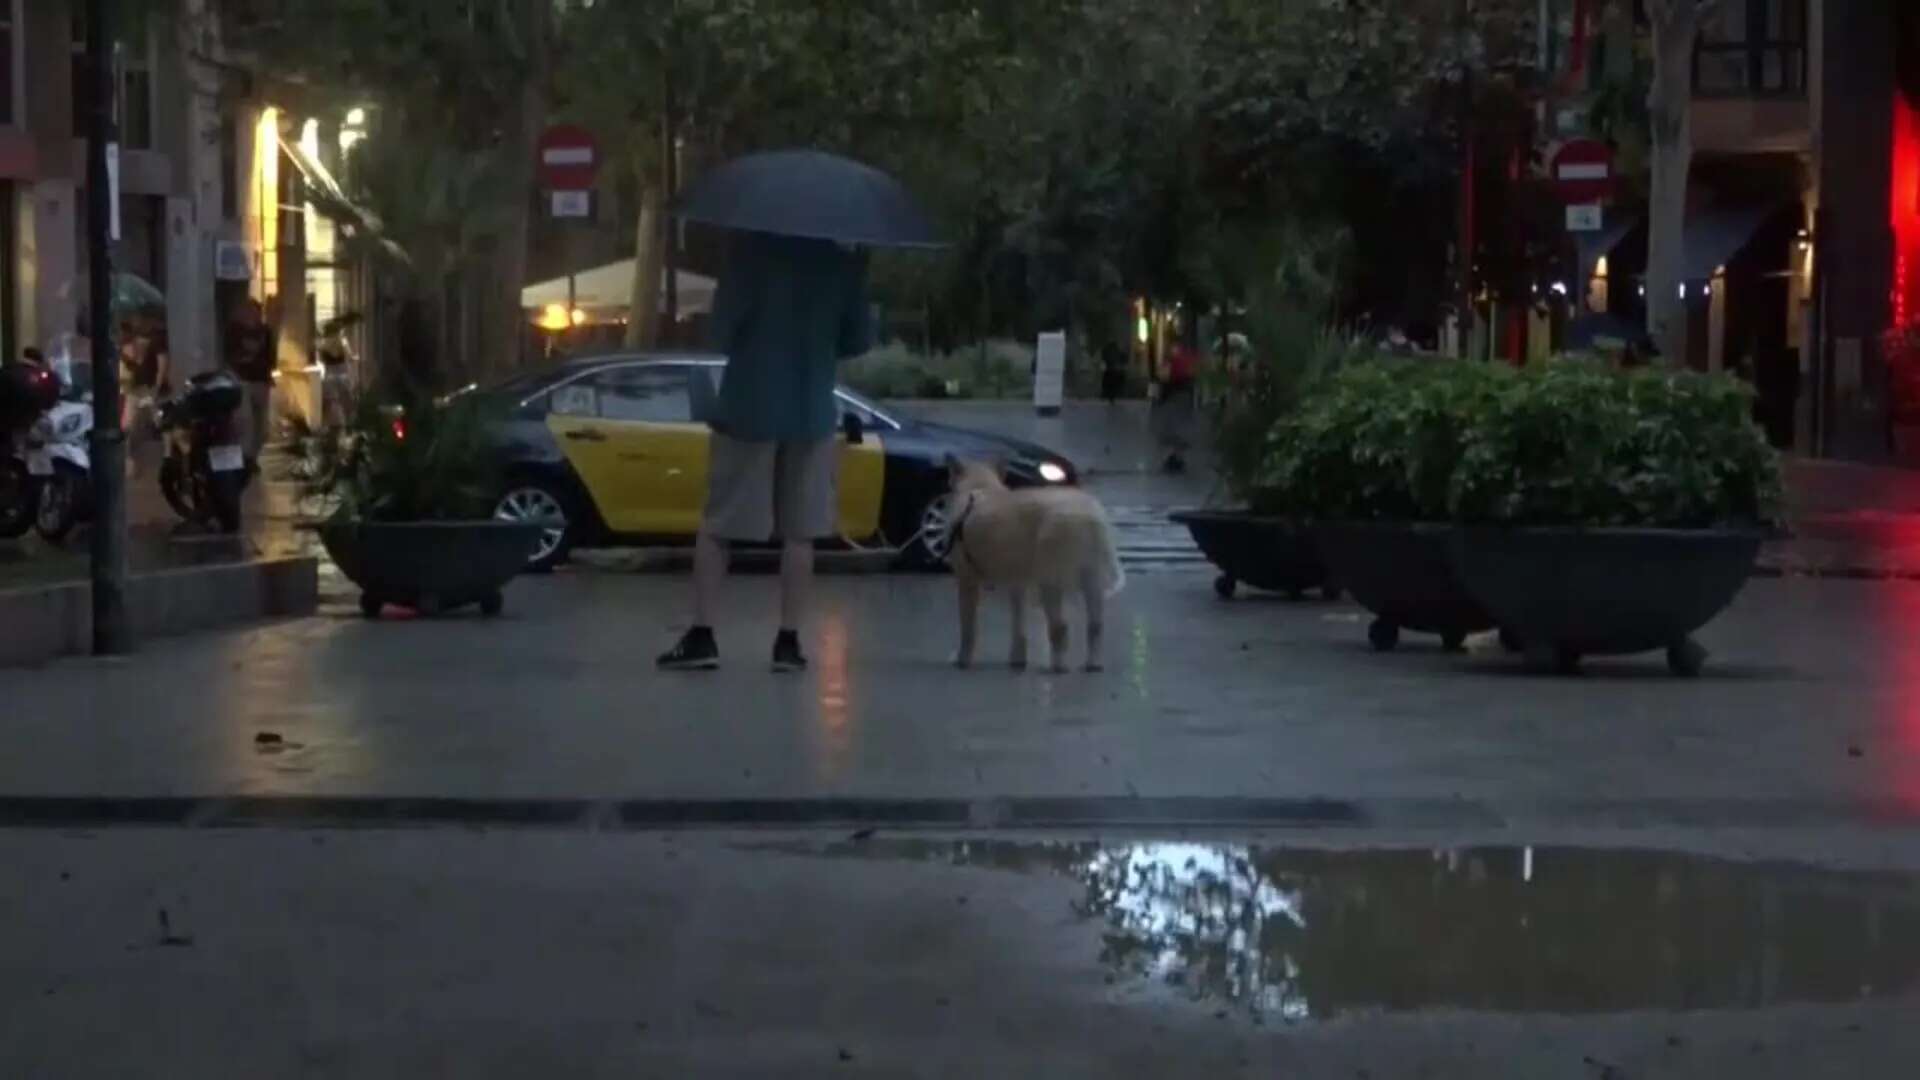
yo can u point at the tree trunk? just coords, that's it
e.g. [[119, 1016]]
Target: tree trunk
[[1676, 23], [505, 324], [643, 315]]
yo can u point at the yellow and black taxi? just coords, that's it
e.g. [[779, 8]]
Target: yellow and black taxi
[[610, 450]]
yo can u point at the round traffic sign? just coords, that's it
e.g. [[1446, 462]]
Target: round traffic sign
[[569, 158], [1582, 171]]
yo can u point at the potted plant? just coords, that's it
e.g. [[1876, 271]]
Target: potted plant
[[410, 482], [1254, 540], [1368, 458], [1607, 513]]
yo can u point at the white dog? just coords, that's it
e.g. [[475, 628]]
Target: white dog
[[1056, 540]]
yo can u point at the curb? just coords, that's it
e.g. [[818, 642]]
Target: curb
[[44, 622]]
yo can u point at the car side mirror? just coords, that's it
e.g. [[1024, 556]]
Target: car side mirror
[[853, 428]]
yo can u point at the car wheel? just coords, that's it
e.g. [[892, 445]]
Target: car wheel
[[538, 504], [932, 539]]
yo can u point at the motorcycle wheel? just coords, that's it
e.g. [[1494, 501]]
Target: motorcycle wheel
[[59, 508], [175, 486], [223, 499], [19, 499]]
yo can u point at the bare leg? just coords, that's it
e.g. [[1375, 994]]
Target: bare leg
[[796, 582], [1096, 602], [1017, 602], [969, 618], [709, 570], [1053, 603]]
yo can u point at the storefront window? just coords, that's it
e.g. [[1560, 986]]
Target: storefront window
[[1753, 48]]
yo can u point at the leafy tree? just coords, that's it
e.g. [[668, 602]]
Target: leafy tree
[[887, 81]]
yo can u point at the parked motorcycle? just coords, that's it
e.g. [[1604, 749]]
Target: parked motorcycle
[[205, 470], [26, 392], [58, 446]]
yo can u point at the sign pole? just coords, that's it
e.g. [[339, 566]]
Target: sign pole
[[670, 228], [569, 158], [111, 633]]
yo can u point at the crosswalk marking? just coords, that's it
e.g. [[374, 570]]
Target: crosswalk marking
[[1147, 540]]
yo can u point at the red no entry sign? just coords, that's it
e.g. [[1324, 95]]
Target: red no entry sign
[[1582, 171], [569, 157]]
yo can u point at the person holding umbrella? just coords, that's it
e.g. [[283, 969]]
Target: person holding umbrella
[[791, 304]]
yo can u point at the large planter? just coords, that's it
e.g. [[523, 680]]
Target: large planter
[[1571, 592], [1269, 553], [430, 566], [1403, 573]]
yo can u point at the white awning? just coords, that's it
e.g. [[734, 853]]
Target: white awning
[[606, 289]]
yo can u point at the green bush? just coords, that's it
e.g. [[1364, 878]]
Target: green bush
[[1376, 440], [1561, 443], [403, 456], [890, 371], [1568, 443], [1003, 369]]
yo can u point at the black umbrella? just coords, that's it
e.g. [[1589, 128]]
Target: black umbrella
[[811, 194]]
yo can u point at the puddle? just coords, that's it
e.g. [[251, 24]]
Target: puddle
[[1301, 935]]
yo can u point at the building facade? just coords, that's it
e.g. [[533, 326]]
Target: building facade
[[214, 186], [1802, 244]]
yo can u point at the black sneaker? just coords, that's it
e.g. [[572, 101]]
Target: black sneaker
[[695, 652], [786, 652]]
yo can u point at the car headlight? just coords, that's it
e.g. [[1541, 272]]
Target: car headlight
[[1052, 472]]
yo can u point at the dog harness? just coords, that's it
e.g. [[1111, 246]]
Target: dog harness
[[956, 533]]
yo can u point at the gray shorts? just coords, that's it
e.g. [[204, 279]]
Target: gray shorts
[[759, 491]]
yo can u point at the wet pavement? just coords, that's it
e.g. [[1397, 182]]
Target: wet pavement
[[1252, 848], [1805, 713], [1314, 935], [220, 953]]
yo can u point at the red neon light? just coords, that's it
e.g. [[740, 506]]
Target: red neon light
[[1903, 212]]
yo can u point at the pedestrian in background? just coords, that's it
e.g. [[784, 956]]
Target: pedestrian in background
[[1113, 372], [250, 350], [786, 312], [144, 376], [1176, 406]]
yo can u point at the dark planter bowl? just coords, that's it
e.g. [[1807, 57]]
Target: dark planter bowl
[[1269, 553], [1403, 573], [1570, 592], [430, 566]]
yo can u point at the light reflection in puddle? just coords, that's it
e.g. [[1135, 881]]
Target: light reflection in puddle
[[1300, 934]]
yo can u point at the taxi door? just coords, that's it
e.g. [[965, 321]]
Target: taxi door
[[863, 476], [629, 435]]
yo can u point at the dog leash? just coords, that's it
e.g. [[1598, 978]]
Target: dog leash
[[957, 532]]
